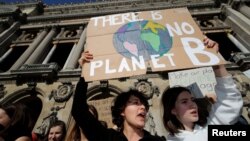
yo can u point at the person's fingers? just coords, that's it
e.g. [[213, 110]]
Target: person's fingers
[[211, 44], [205, 38], [85, 57], [214, 45], [206, 41], [88, 56], [82, 58], [83, 53], [80, 61]]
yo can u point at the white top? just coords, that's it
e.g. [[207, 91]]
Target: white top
[[225, 111]]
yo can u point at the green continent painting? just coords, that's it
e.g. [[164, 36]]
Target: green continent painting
[[142, 38]]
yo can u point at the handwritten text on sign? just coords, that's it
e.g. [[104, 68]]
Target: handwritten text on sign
[[203, 77]]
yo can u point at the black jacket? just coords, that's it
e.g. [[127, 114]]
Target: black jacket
[[91, 127]]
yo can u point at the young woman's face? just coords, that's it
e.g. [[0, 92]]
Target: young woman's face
[[186, 109], [134, 113], [55, 133]]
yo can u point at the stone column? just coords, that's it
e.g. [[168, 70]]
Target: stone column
[[240, 24], [51, 52], [37, 54], [238, 44], [29, 50], [69, 57], [245, 10], [76, 52], [6, 54], [22, 35], [5, 34]]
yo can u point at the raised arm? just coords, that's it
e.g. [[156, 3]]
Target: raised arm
[[220, 70], [90, 126], [228, 105]]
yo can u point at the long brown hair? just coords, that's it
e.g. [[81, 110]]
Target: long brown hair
[[171, 123]]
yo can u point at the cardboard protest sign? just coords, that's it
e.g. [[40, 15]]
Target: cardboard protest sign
[[127, 44], [200, 81], [103, 108]]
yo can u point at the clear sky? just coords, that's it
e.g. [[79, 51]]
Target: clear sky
[[49, 2]]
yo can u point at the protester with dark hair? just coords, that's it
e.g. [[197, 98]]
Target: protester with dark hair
[[15, 122], [132, 97], [185, 120], [129, 114]]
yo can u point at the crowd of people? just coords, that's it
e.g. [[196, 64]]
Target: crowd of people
[[183, 116]]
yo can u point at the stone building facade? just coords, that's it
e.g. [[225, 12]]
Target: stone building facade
[[40, 46]]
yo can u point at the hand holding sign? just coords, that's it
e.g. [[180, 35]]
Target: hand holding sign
[[211, 44], [85, 57], [202, 80]]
